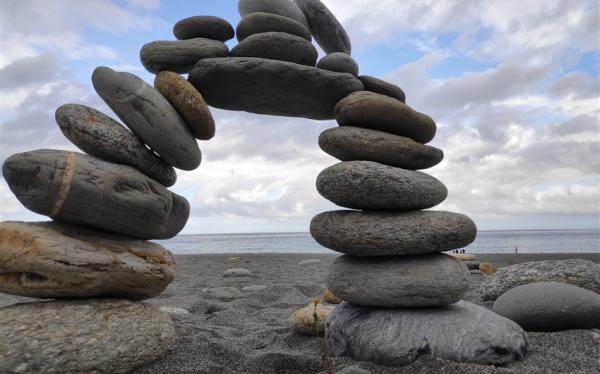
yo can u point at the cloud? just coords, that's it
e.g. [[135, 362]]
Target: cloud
[[31, 70]]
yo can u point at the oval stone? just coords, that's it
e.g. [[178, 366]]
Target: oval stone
[[83, 190], [380, 112], [340, 62], [277, 46], [399, 281], [180, 56], [348, 143], [100, 136], [257, 23], [149, 115], [209, 27], [326, 29], [382, 87], [392, 233], [283, 8], [367, 185]]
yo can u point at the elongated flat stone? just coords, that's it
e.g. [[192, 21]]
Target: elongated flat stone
[[392, 233], [83, 190], [271, 87], [382, 87], [209, 27], [326, 29], [259, 22], [369, 185], [283, 8], [180, 56], [277, 46]]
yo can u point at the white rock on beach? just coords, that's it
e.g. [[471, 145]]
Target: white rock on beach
[[305, 321], [240, 272]]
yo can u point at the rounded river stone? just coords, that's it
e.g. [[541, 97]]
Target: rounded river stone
[[100, 136], [188, 102], [149, 115], [209, 27], [326, 29], [340, 62], [348, 143], [367, 185], [382, 87], [272, 87], [180, 56], [392, 233], [399, 281], [283, 8], [380, 112], [257, 23], [277, 46], [83, 190]]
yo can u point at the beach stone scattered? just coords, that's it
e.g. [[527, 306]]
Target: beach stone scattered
[[271, 87], [209, 27], [277, 46], [550, 306], [237, 273], [580, 273], [149, 115], [487, 268], [91, 336], [257, 288], [83, 190], [462, 332], [399, 281], [223, 293], [188, 102], [348, 143], [360, 233], [329, 297], [326, 29], [372, 186], [305, 322], [174, 310], [339, 62], [383, 113], [313, 261], [283, 8], [464, 256], [180, 56], [260, 22], [471, 265], [382, 87], [100, 136]]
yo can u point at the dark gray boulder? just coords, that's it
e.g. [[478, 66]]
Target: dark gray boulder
[[283, 8], [271, 87], [367, 185], [277, 46], [209, 27], [326, 29], [180, 56], [382, 87], [256, 23], [340, 62]]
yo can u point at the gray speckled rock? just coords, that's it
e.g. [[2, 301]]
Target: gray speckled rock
[[340, 62], [348, 143], [277, 46], [223, 293], [91, 336], [382, 87], [581, 273], [367, 185], [100, 136], [461, 332], [271, 87], [149, 115], [550, 306], [209, 27], [180, 56], [83, 190], [283, 8], [326, 29], [392, 233], [399, 281], [54, 260], [256, 23]]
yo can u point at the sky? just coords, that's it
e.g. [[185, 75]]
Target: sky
[[513, 86]]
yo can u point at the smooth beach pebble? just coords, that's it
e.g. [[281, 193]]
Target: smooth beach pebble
[[329, 297], [237, 273], [180, 56], [284, 8], [326, 29], [174, 310], [487, 268], [260, 22], [340, 62], [254, 288], [209, 27], [304, 319], [223, 293], [382, 87], [277, 46]]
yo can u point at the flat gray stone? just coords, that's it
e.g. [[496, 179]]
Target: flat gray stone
[[339, 62], [461, 332], [174, 310], [100, 136], [277, 46], [149, 115], [382, 87], [359, 233], [580, 273], [260, 22], [180, 56], [83, 190], [209, 27], [367, 185], [348, 143], [257, 288], [326, 29], [283, 8], [237, 273], [272, 87], [223, 293]]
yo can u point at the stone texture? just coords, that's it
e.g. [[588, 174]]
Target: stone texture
[[91, 336], [188, 102], [392, 233], [223, 293], [550, 306], [367, 185], [282, 8], [53, 260], [100, 136], [464, 256], [209, 27], [82, 190], [149, 115], [271, 87], [326, 29], [260, 22], [380, 112], [461, 332], [277, 46], [239, 272], [260, 287], [354, 369], [339, 62], [471, 265], [382, 87], [180, 56], [581, 273], [399, 281], [305, 322], [487, 268], [329, 297], [313, 261], [348, 143]]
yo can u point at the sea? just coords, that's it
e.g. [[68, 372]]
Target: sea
[[523, 241]]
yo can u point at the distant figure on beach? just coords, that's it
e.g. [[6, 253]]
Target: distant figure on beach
[[516, 250]]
